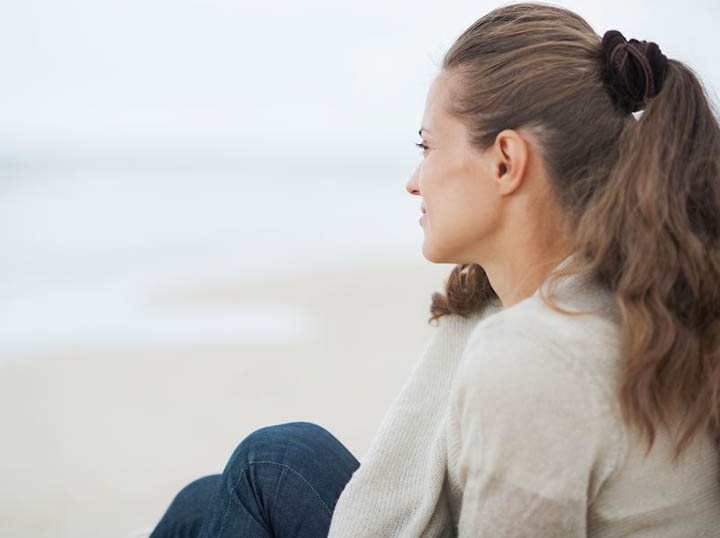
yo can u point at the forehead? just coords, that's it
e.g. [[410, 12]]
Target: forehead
[[437, 97], [437, 117]]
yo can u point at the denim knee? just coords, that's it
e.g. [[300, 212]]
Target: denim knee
[[201, 488], [310, 450], [186, 512], [266, 444]]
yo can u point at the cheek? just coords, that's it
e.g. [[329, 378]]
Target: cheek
[[455, 186], [438, 179], [472, 207]]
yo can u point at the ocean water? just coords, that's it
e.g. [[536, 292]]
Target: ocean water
[[85, 249]]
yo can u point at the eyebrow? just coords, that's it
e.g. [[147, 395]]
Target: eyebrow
[[420, 132]]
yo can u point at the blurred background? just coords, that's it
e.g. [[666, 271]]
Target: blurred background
[[204, 230]]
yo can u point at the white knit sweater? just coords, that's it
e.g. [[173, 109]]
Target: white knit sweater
[[509, 426]]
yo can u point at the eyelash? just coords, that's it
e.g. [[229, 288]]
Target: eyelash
[[421, 146]]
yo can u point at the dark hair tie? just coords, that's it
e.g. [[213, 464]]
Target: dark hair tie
[[634, 70]]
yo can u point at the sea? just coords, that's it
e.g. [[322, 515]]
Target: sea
[[85, 246]]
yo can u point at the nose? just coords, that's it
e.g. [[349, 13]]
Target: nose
[[412, 184]]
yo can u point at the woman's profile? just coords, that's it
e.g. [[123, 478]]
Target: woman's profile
[[572, 387]]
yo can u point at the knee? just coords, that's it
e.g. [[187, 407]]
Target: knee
[[291, 441], [201, 488], [186, 512], [288, 428], [270, 443], [301, 449]]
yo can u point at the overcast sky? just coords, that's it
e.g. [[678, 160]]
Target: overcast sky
[[242, 77]]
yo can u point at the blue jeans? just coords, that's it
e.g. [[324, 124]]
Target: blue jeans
[[281, 481]]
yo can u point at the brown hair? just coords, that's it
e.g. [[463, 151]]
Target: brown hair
[[643, 196]]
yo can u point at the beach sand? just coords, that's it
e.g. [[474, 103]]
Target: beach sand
[[96, 442]]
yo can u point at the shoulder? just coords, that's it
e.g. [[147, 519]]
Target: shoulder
[[537, 336], [457, 329], [531, 355], [530, 400]]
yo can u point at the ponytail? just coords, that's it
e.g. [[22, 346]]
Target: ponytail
[[653, 234]]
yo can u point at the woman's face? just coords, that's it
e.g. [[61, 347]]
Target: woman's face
[[456, 184]]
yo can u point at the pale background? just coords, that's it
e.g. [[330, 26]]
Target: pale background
[[204, 230]]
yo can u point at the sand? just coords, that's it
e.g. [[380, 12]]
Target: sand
[[96, 441]]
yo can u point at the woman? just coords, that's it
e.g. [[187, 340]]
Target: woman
[[573, 386]]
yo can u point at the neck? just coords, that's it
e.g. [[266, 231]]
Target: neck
[[518, 277]]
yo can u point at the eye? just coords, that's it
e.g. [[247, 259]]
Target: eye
[[422, 146]]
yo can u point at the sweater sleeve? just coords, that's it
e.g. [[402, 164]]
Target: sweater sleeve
[[528, 438]]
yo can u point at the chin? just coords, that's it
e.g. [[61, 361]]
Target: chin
[[452, 254], [434, 256]]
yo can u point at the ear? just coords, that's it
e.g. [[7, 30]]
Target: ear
[[510, 159]]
